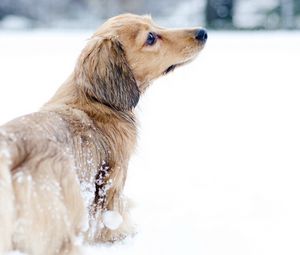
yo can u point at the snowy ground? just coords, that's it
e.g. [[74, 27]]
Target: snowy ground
[[217, 169]]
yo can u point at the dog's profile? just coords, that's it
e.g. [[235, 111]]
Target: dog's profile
[[63, 169]]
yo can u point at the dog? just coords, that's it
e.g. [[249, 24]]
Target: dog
[[63, 169]]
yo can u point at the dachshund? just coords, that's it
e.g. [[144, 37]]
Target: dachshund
[[63, 168]]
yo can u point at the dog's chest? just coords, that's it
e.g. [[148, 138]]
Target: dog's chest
[[98, 154]]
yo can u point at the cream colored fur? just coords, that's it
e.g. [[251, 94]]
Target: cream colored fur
[[64, 166]]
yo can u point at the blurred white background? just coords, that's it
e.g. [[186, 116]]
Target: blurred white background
[[217, 169], [218, 14]]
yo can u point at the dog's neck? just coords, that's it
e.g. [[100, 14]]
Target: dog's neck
[[70, 95]]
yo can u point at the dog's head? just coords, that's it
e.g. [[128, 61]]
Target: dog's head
[[127, 53]]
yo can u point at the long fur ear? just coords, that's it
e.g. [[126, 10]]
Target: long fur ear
[[103, 73]]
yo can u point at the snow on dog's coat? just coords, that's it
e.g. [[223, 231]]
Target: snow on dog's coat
[[63, 169]]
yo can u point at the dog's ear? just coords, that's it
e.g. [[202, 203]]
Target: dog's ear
[[104, 75]]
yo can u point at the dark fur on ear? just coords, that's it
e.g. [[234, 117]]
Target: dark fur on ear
[[105, 76]]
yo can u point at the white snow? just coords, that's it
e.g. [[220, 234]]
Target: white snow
[[217, 166], [15, 253], [112, 219], [4, 153]]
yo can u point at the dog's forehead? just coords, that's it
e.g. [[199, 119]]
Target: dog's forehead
[[129, 20], [133, 17], [125, 25]]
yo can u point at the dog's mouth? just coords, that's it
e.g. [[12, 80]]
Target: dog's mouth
[[172, 67]]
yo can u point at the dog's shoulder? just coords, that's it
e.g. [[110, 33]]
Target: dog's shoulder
[[36, 125]]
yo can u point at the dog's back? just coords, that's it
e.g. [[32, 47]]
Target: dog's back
[[7, 210], [41, 209]]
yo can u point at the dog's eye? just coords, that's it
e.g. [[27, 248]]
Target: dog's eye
[[151, 39]]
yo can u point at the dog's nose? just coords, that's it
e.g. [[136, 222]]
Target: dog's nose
[[201, 35]]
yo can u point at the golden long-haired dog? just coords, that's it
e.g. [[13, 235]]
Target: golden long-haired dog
[[63, 169]]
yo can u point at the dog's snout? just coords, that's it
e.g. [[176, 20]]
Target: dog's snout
[[201, 35]]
